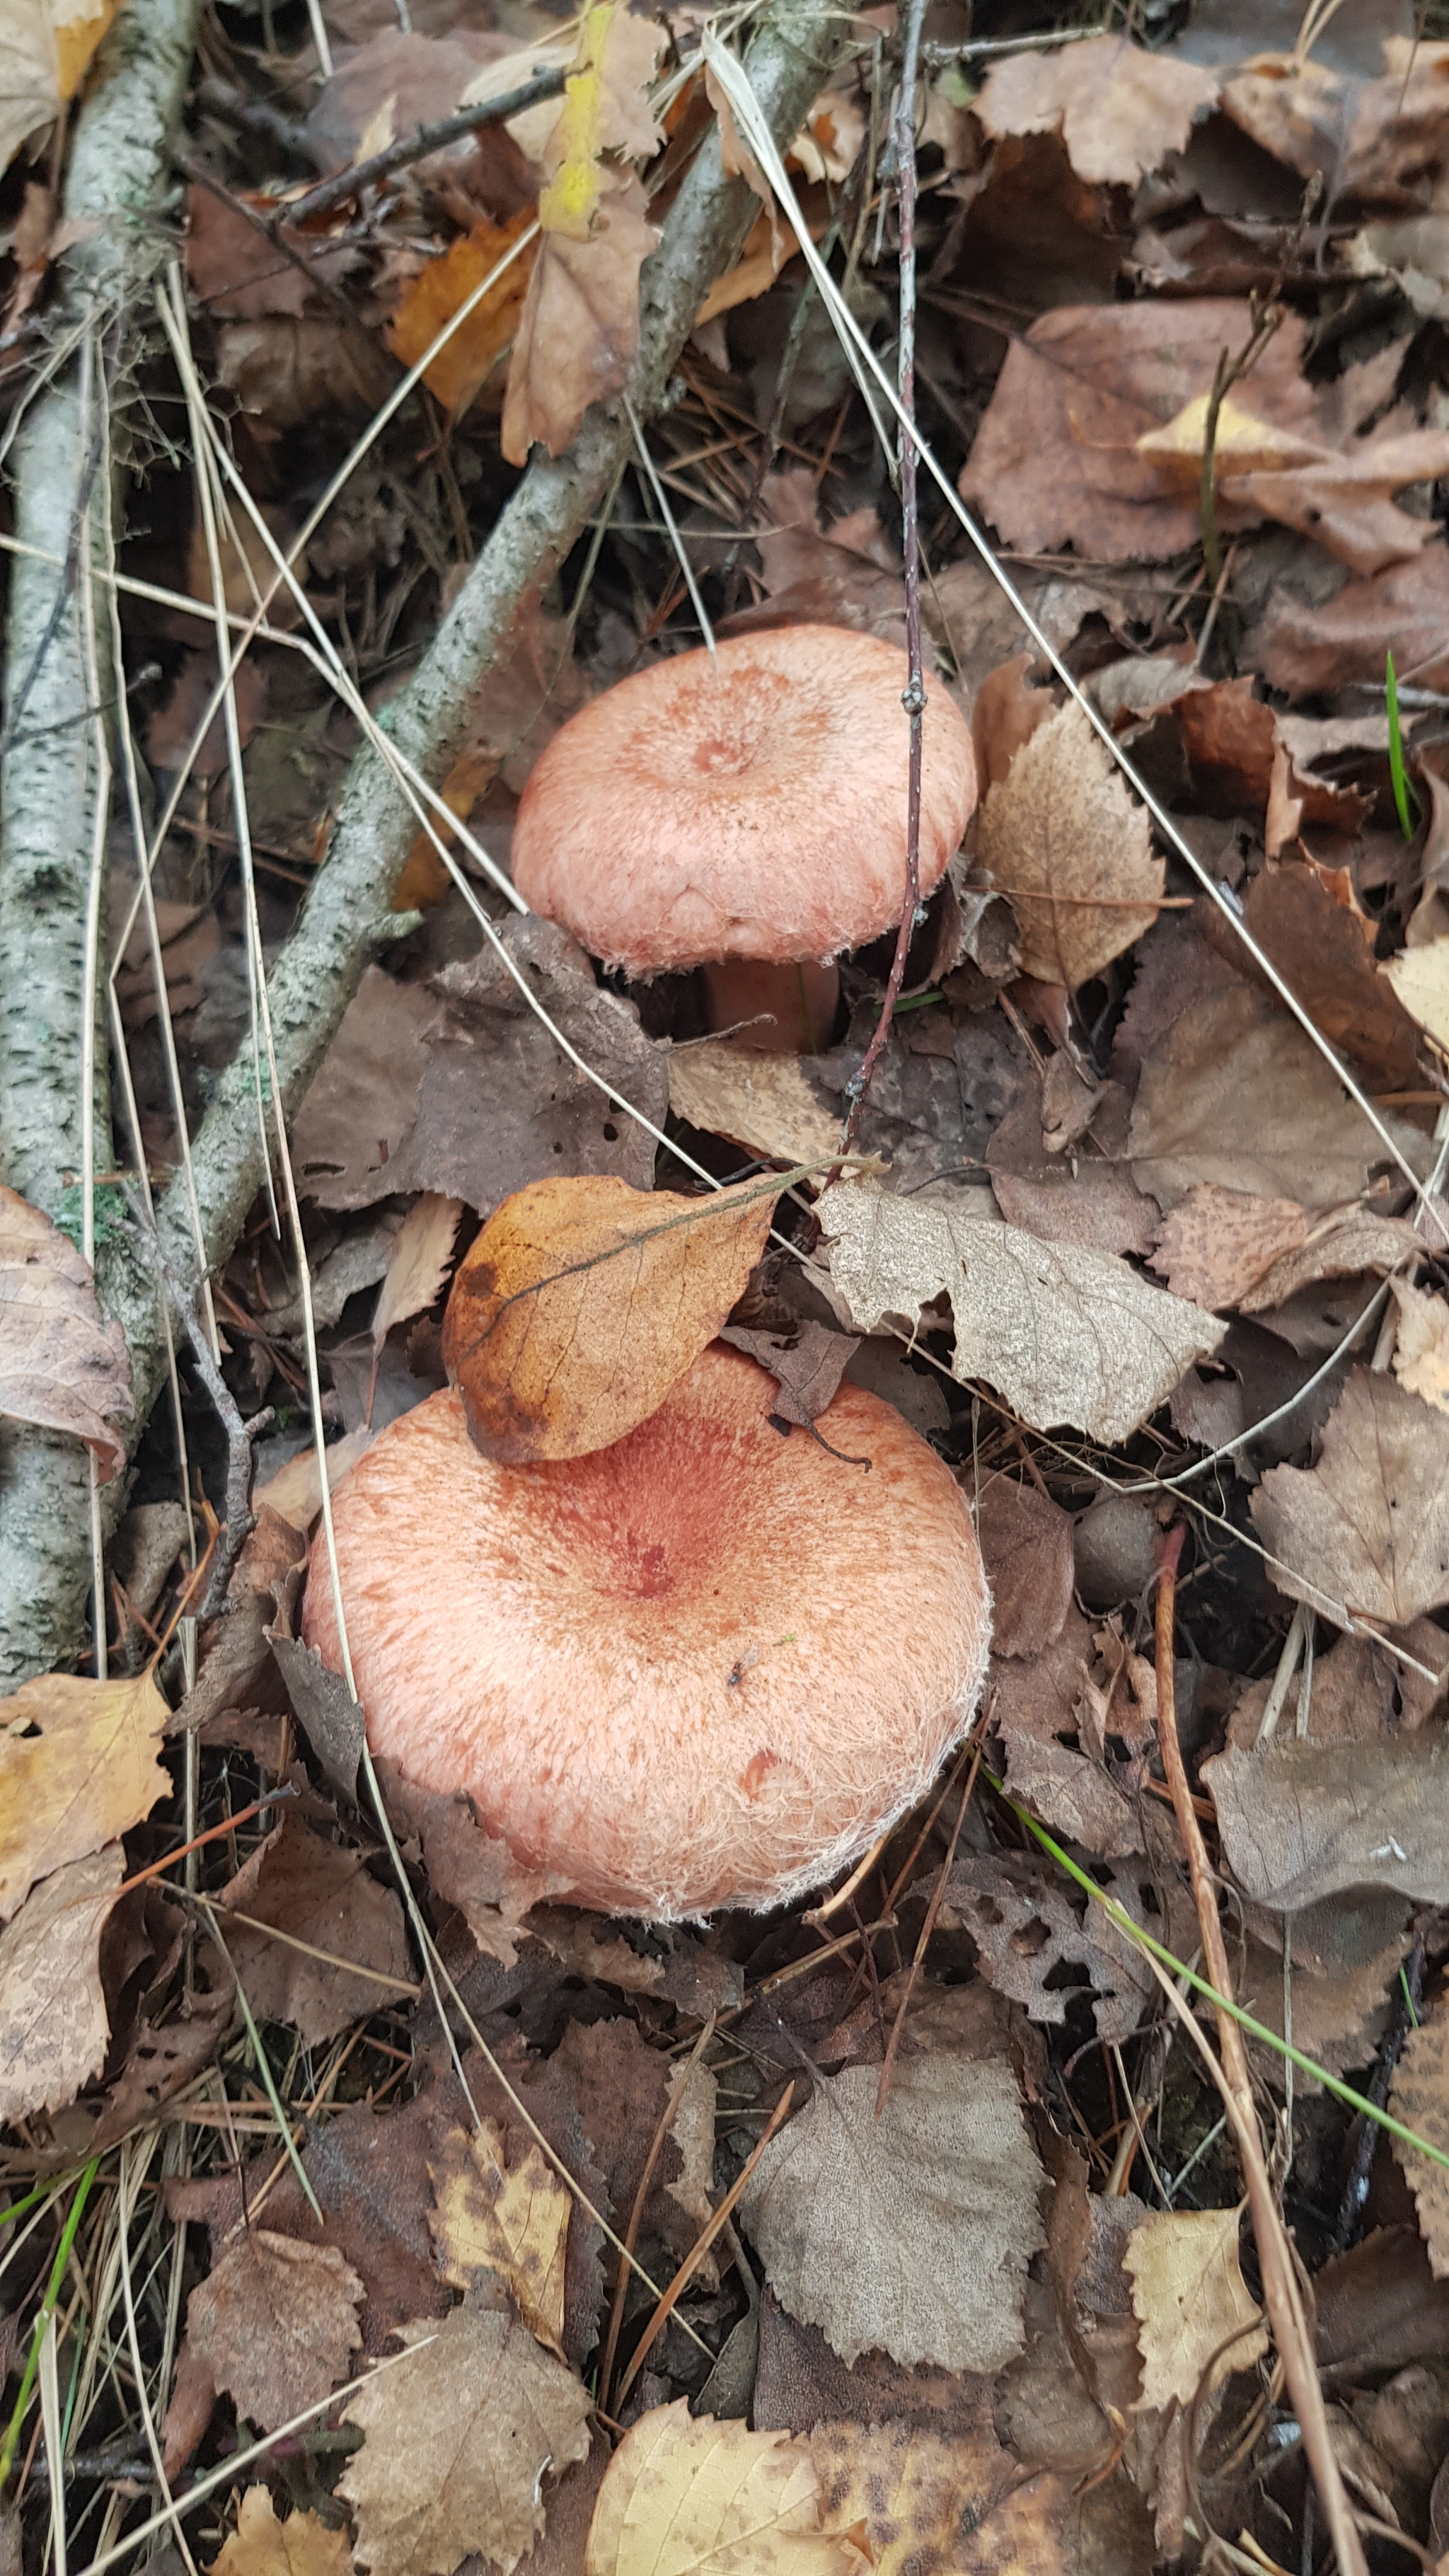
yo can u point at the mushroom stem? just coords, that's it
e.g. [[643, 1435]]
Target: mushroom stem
[[786, 1010]]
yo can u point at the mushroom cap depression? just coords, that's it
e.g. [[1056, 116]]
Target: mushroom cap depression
[[686, 816], [706, 1666]]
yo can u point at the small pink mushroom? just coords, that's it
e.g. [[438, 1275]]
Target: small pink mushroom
[[749, 819], [706, 1666]]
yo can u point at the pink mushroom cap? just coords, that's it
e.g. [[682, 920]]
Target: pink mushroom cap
[[756, 811], [706, 1666]]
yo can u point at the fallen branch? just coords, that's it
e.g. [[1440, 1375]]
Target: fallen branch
[[43, 1527], [54, 786]]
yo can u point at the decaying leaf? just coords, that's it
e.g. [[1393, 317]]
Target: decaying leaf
[[275, 2324], [1028, 1931], [325, 1898], [937, 2200], [460, 2438], [1216, 1244], [464, 364], [61, 1365], [1300, 1823], [582, 1302], [54, 2025], [1065, 1334], [261, 2545], [1026, 1547], [1420, 2098], [78, 1768], [1421, 1351], [1064, 841], [1365, 1531], [1190, 2296], [512, 2223], [928, 2499], [1119, 109], [1420, 977], [681, 2497]]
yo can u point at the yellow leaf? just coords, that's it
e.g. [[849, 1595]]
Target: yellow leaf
[[1189, 2296], [1241, 445], [263, 2546], [1420, 977], [487, 2219], [582, 1302], [78, 1768], [682, 2497], [434, 295], [941, 2500], [605, 109], [424, 879], [77, 34]]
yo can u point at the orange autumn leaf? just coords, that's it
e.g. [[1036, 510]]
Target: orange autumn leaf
[[434, 296]]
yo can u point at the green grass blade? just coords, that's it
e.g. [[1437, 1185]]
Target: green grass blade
[[1405, 799]]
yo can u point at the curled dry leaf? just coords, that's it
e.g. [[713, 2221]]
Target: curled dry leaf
[[1065, 842], [275, 2324], [1065, 1334], [62, 1365], [78, 1768], [582, 1302], [512, 2223], [683, 2497], [936, 2200], [1420, 2098], [1118, 109], [1365, 1531], [460, 2437], [263, 2546], [54, 2026], [422, 1256], [1189, 2295]]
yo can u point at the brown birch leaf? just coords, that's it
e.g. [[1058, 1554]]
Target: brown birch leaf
[[62, 1365], [1065, 843]]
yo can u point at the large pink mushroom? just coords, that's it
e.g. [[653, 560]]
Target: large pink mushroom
[[704, 1667], [749, 819]]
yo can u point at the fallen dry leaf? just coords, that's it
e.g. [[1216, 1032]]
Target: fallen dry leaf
[[511, 2223], [45, 46], [324, 1896], [1055, 461], [1026, 1548], [78, 1768], [1233, 1092], [1215, 1244], [261, 2545], [807, 1366], [1189, 2295], [1066, 1335], [766, 1103], [1030, 1932], [1420, 980], [1063, 840], [1119, 109], [1308, 651], [464, 364], [1347, 1247], [466, 1867], [1421, 1350], [606, 112], [422, 1256], [460, 2438], [937, 2200], [924, 2498], [361, 1106], [684, 2496], [579, 327], [1365, 1530], [1300, 1824], [1343, 501], [62, 1365], [54, 2026], [1311, 927], [275, 2324], [1420, 2098], [582, 1302]]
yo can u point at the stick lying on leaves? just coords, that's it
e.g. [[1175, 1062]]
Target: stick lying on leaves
[[44, 1541]]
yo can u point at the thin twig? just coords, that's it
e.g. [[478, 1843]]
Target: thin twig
[[914, 697], [545, 84], [1275, 2257]]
